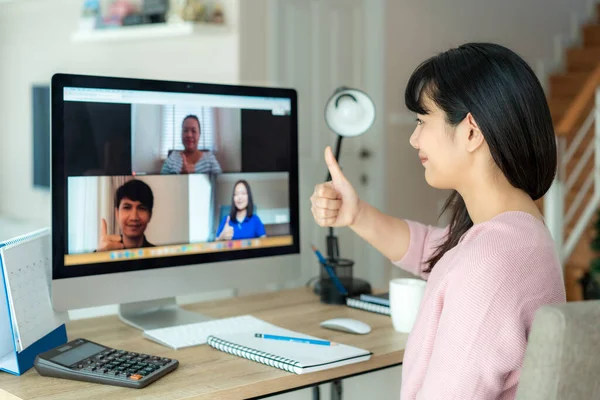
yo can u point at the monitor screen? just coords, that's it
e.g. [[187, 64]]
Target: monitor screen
[[150, 174]]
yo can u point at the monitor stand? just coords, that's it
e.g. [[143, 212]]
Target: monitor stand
[[161, 313]]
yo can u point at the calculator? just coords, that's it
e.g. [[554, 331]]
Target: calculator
[[84, 360]]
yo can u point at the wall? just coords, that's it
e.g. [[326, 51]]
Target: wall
[[146, 132], [35, 43], [229, 138], [269, 190]]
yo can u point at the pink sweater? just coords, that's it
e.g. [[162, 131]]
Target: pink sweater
[[470, 336]]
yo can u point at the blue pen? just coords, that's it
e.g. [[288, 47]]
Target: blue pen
[[294, 339], [336, 281]]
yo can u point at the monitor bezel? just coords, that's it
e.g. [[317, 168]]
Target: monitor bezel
[[59, 178]]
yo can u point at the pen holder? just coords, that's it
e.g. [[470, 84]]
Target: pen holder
[[328, 292]]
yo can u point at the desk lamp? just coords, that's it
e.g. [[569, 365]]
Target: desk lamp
[[348, 113]]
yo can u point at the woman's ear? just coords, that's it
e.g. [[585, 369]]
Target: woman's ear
[[475, 137]]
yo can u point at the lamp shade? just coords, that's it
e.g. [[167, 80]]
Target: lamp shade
[[349, 112]]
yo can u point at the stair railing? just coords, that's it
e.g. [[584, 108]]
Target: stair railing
[[578, 135]]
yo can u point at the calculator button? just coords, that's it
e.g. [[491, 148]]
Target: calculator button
[[133, 354], [168, 360], [121, 352], [136, 377]]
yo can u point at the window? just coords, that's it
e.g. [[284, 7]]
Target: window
[[173, 116]]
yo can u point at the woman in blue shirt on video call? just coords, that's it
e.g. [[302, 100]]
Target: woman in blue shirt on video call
[[241, 223]]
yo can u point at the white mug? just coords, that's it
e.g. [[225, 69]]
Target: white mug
[[405, 300]]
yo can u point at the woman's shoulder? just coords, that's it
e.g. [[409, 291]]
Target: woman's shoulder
[[175, 155]]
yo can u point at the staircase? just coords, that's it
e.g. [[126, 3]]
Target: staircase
[[572, 99]]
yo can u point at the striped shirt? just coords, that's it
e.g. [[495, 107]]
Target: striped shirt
[[208, 163], [470, 336]]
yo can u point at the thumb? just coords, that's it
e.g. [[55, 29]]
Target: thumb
[[333, 166], [228, 219], [103, 228], [183, 158]]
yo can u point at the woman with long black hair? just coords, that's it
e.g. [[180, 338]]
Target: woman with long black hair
[[483, 130]]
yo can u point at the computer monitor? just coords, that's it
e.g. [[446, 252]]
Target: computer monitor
[[164, 188]]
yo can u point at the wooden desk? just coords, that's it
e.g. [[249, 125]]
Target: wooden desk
[[206, 373]]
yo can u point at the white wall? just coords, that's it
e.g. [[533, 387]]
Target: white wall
[[228, 123], [146, 134], [200, 193], [35, 43]]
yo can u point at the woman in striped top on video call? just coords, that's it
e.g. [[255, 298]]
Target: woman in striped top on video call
[[483, 131], [191, 160]]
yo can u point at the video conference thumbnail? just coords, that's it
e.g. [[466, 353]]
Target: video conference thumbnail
[[122, 212], [147, 139]]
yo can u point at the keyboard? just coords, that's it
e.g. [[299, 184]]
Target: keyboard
[[196, 334]]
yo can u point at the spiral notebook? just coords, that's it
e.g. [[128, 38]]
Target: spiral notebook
[[28, 324], [299, 358], [357, 302]]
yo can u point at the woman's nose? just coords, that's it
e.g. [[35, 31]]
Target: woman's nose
[[414, 139]]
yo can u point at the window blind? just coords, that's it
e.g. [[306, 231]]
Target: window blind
[[173, 116]]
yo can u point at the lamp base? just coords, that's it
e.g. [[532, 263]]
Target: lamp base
[[329, 294]]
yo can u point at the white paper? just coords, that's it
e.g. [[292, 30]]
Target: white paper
[[28, 276], [7, 347]]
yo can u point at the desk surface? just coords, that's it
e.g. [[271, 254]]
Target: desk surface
[[206, 373]]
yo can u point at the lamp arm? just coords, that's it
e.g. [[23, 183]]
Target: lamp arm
[[333, 251]]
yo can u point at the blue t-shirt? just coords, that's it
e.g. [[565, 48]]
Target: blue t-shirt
[[249, 228]]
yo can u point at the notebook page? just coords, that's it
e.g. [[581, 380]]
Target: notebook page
[[28, 269], [306, 354]]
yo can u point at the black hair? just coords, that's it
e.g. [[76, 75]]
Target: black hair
[[135, 190], [192, 116], [249, 208], [508, 103]]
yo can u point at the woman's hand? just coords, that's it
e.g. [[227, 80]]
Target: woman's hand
[[187, 168], [334, 203], [227, 232]]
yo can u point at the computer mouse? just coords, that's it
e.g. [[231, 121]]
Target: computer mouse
[[347, 325]]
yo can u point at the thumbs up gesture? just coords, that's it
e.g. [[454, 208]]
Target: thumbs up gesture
[[334, 203], [186, 167], [108, 242], [227, 232]]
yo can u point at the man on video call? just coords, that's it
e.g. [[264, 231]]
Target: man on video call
[[133, 210]]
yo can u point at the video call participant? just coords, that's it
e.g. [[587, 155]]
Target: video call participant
[[241, 223], [133, 210], [191, 160]]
